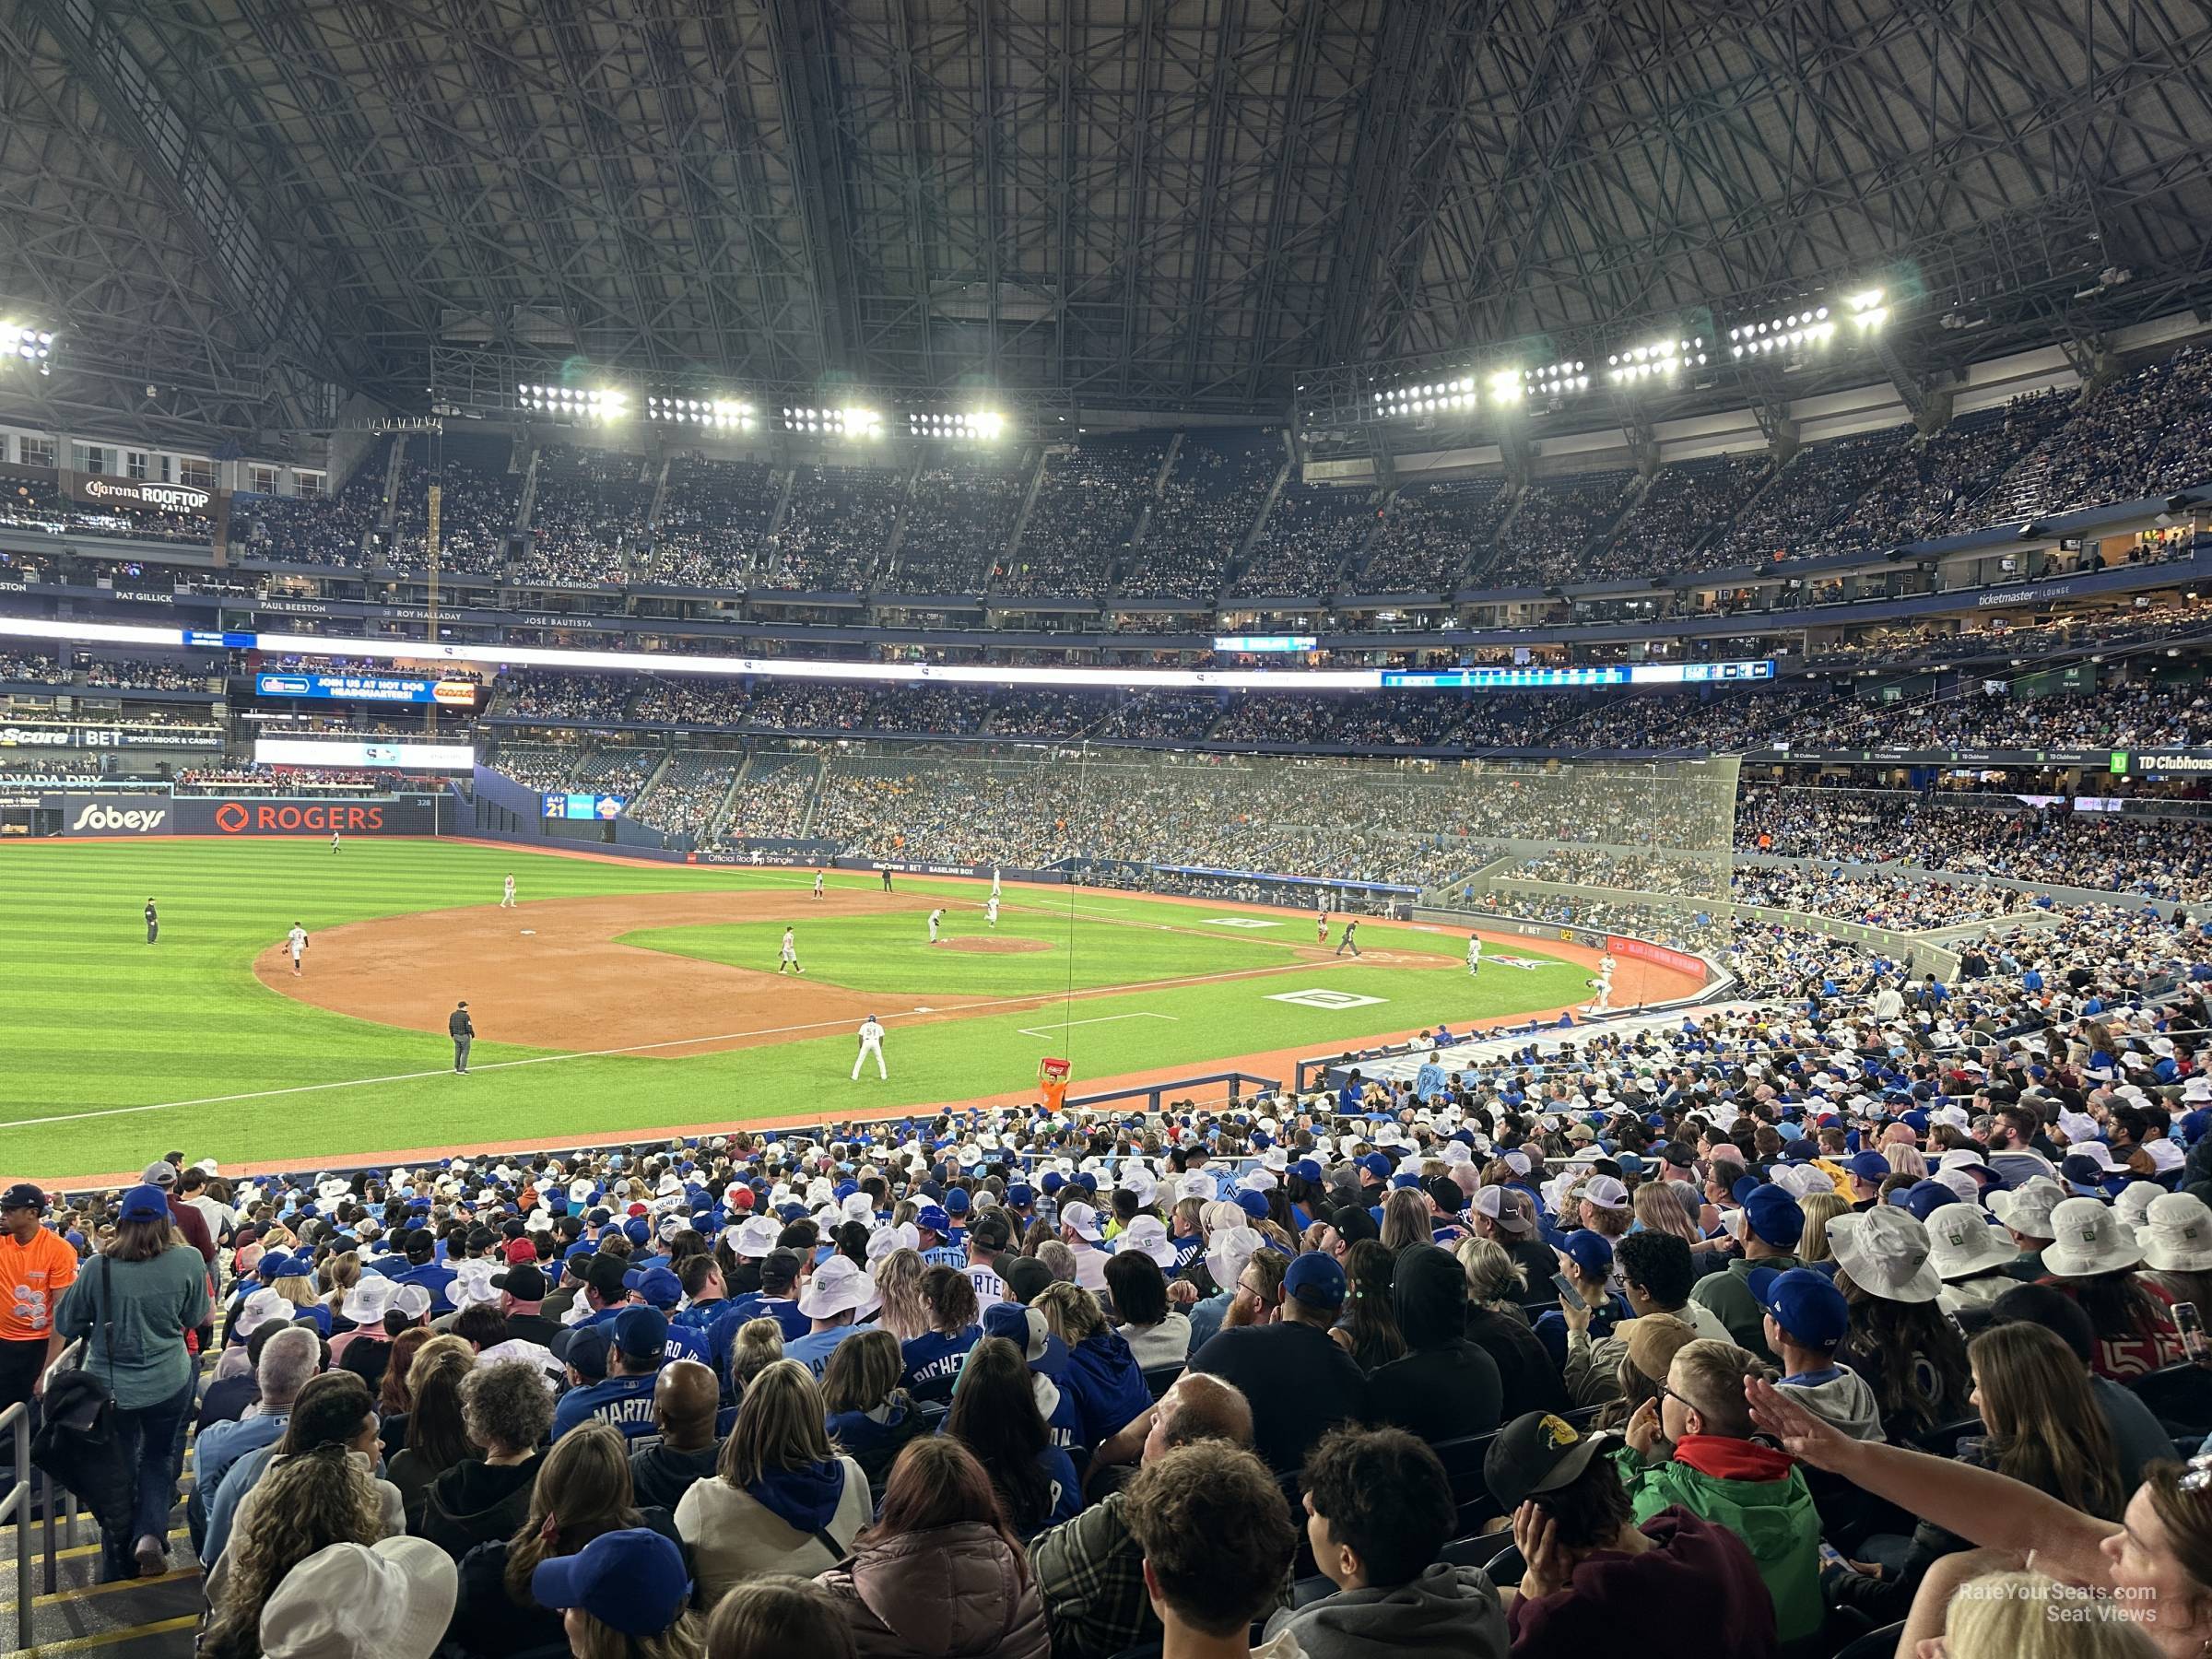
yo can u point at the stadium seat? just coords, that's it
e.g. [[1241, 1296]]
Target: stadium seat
[[1874, 1644], [2180, 1396], [1504, 1566], [1159, 1379], [1462, 1460], [1943, 1439]]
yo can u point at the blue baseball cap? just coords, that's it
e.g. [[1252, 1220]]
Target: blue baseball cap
[[143, 1204], [638, 1231], [656, 1285], [930, 1218], [956, 1202], [1869, 1165], [1375, 1164], [1054, 1181], [1591, 1252], [1805, 1303], [1316, 1279], [1306, 1170], [1018, 1196], [1252, 1204], [1774, 1215], [640, 1333], [633, 1580], [1923, 1198], [587, 1350]]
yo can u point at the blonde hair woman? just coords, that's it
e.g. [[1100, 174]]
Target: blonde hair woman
[[303, 1504], [782, 1498], [758, 1344], [1819, 1209], [1658, 1205], [898, 1282], [1405, 1219], [2027, 1616], [342, 1273]]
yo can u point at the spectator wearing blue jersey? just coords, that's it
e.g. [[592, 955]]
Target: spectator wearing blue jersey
[[634, 1343], [1103, 1374], [999, 1413], [932, 1358], [776, 1298]]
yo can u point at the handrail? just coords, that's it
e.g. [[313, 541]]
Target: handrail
[[16, 1506]]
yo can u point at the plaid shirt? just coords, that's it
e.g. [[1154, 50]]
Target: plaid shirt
[[1091, 1574]]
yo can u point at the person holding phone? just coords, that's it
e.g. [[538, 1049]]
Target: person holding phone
[[1587, 1308]]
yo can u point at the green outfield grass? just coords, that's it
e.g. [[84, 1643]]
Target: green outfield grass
[[112, 1052]]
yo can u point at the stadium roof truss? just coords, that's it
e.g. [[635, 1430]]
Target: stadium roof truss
[[263, 208]]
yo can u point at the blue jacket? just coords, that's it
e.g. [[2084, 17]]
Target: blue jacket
[[1107, 1385]]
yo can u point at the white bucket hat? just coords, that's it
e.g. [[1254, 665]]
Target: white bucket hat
[[1148, 1235], [1960, 1243], [388, 1600], [369, 1299], [2027, 1208], [264, 1307], [2088, 1240], [1885, 1251], [885, 1241], [756, 1236], [1230, 1251], [837, 1288], [472, 1285], [2135, 1199], [2176, 1234]]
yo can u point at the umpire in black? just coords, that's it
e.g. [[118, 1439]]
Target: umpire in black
[[463, 1033], [153, 923]]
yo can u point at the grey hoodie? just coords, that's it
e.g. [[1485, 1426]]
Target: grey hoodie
[[1446, 1610], [1845, 1400]]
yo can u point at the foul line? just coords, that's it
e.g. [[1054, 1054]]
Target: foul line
[[642, 1048], [1054, 1030]]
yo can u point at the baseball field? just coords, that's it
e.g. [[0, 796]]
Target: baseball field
[[620, 997]]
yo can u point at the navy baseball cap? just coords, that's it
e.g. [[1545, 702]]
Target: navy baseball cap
[[932, 1219], [587, 1349], [1869, 1165], [656, 1285], [1252, 1204], [1592, 1253], [640, 1333], [1018, 1196], [1306, 1170], [1054, 1181], [1805, 1303], [1923, 1198], [1315, 1279], [1375, 1164], [633, 1580], [955, 1203]]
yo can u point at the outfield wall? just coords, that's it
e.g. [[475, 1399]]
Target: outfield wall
[[111, 814]]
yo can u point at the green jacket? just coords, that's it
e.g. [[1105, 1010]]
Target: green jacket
[[135, 1315], [1728, 1295], [1757, 1493]]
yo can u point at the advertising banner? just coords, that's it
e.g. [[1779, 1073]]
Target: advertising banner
[[109, 738], [125, 814], [140, 495], [1645, 951], [262, 816], [367, 688]]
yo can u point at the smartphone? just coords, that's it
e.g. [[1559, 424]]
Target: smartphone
[[2192, 1328], [1571, 1296]]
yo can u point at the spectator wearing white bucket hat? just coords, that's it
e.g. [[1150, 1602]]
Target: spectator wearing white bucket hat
[[388, 1600], [836, 1294], [2176, 1237], [2026, 1214], [1911, 1352], [1082, 1233], [1972, 1258], [2092, 1258]]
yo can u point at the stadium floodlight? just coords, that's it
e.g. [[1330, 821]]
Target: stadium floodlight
[[1868, 310], [27, 343], [1505, 386]]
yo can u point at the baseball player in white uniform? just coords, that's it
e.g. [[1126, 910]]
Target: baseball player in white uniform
[[334, 840], [817, 884], [994, 881], [990, 909], [507, 895], [296, 942], [790, 964], [1473, 956], [871, 1042], [935, 917]]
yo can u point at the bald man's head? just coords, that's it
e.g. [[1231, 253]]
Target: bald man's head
[[685, 1398], [1199, 1408]]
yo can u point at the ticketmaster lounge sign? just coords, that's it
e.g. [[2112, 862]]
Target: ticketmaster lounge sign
[[138, 495]]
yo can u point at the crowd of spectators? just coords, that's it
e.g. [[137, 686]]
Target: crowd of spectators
[[1750, 1330], [834, 530], [588, 517], [1313, 532], [772, 797], [251, 778], [147, 674], [314, 530], [1814, 489], [2141, 435], [713, 521], [616, 770], [1686, 503], [689, 794], [1206, 508], [1546, 541], [538, 767], [32, 667], [544, 694], [476, 516], [1431, 533], [1087, 506], [958, 520]]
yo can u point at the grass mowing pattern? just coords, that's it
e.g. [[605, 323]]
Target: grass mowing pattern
[[96, 1020]]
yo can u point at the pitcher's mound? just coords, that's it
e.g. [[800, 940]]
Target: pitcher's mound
[[990, 947]]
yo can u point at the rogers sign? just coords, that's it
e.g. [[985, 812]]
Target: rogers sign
[[275, 818]]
